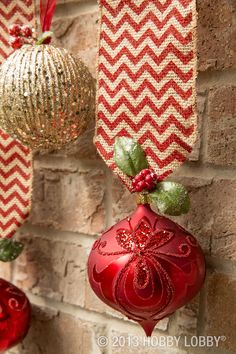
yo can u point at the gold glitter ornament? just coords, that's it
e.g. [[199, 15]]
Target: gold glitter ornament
[[46, 96]]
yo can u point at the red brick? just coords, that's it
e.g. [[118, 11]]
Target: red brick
[[212, 215], [52, 269], [123, 203], [54, 332], [184, 321], [221, 137], [216, 34], [69, 201], [221, 309], [6, 271], [82, 149], [80, 36]]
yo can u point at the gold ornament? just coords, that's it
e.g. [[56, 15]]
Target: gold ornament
[[46, 96]]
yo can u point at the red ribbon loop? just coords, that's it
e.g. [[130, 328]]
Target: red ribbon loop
[[47, 8]]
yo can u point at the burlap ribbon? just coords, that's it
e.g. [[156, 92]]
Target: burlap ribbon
[[15, 159], [146, 80]]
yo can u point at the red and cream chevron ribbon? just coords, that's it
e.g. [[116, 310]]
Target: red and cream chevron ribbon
[[15, 159], [146, 80]]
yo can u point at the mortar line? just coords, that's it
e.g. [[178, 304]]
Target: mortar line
[[88, 315], [226, 266], [201, 170], [201, 323], [69, 164], [58, 235], [204, 131], [209, 79], [189, 169]]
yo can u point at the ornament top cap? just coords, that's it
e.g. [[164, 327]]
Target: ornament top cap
[[47, 48], [142, 198]]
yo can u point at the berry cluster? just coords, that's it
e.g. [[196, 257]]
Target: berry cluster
[[145, 180], [19, 35]]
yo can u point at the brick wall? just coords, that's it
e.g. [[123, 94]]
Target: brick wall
[[75, 197]]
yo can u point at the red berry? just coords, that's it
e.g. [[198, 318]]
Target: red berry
[[150, 186], [16, 42], [138, 178], [154, 176], [140, 186], [145, 172], [26, 31], [149, 179], [145, 180], [143, 184], [14, 30]]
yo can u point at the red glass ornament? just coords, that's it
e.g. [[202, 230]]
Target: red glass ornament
[[146, 266], [15, 313]]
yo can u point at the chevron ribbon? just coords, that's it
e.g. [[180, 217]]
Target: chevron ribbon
[[15, 159], [146, 80]]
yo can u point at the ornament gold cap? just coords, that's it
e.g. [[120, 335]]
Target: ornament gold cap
[[142, 198]]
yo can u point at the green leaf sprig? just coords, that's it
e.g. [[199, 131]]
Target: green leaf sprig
[[129, 156], [10, 249], [170, 198]]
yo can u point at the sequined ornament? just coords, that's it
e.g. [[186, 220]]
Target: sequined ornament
[[146, 266], [15, 313], [46, 96]]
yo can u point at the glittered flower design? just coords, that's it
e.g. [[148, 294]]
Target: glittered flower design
[[142, 241], [143, 238]]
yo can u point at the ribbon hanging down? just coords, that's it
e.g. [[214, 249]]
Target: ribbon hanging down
[[146, 80], [47, 8], [15, 158]]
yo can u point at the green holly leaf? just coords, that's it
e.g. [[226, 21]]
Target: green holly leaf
[[10, 250], [129, 156], [44, 38], [170, 198]]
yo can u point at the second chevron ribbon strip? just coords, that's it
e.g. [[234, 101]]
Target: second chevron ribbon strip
[[146, 80]]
